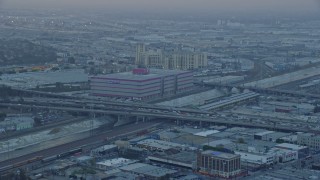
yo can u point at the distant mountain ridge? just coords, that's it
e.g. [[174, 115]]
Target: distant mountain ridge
[[24, 52]]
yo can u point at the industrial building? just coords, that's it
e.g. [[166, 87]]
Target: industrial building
[[258, 159], [184, 159], [219, 164], [16, 123], [302, 151], [142, 84], [158, 145], [114, 163]]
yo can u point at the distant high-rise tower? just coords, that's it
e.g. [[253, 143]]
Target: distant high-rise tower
[[140, 54], [186, 59]]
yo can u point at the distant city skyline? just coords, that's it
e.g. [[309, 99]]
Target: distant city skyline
[[280, 6]]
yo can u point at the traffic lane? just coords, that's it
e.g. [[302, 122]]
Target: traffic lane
[[127, 129]]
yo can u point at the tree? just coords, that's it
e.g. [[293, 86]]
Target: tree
[[279, 141], [71, 60], [218, 148], [21, 100], [2, 116], [59, 85], [241, 141], [55, 69], [21, 175], [165, 177], [37, 121], [93, 162]]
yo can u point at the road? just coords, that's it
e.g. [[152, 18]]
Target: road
[[119, 131]]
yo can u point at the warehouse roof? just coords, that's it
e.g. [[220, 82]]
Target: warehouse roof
[[154, 73], [220, 154]]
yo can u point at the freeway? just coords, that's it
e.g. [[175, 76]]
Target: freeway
[[93, 100], [104, 104], [265, 90], [119, 131], [164, 115]]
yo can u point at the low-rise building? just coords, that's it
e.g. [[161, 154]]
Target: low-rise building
[[158, 145], [263, 136], [283, 155], [302, 151], [259, 159], [16, 123], [149, 171], [183, 159], [114, 163], [103, 150]]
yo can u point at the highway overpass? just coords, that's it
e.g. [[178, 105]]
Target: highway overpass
[[172, 116]]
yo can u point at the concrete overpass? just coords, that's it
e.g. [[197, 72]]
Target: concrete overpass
[[162, 115]]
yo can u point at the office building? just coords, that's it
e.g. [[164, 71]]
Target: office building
[[140, 54], [219, 164], [182, 60]]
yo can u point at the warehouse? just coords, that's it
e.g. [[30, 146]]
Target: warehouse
[[142, 84]]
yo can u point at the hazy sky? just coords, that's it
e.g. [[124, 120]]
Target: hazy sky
[[291, 6]]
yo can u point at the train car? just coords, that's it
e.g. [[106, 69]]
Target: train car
[[29, 161], [69, 153], [49, 159], [37, 158], [74, 151], [62, 155], [20, 164]]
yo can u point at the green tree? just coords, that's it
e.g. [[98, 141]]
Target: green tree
[[71, 60], [37, 121], [241, 141], [3, 116], [218, 148], [279, 141]]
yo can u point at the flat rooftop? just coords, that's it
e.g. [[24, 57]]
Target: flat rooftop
[[32, 79], [206, 133], [117, 162], [148, 170], [290, 146], [220, 154], [154, 73], [159, 144]]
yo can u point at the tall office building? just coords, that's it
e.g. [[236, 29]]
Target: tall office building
[[188, 60], [153, 59], [219, 164], [140, 54], [181, 60]]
